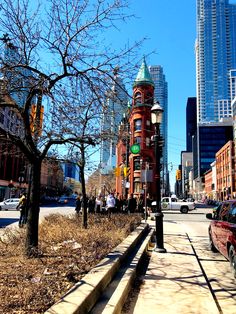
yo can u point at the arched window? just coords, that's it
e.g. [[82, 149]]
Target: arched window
[[137, 140], [138, 125], [137, 163], [137, 98], [149, 98]]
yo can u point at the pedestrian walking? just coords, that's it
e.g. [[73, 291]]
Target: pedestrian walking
[[91, 204], [140, 204], [98, 204], [149, 201], [78, 204], [118, 206], [110, 204], [131, 204], [23, 212]]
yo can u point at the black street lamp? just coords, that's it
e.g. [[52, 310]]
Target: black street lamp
[[156, 118]]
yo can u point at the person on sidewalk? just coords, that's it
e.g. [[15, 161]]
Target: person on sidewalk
[[111, 203], [22, 207], [78, 204], [98, 204], [131, 204]]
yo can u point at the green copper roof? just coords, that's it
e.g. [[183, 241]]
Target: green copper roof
[[144, 76]]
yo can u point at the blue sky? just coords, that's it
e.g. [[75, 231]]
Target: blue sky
[[171, 29]]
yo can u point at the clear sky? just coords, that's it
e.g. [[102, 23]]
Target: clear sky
[[170, 26]]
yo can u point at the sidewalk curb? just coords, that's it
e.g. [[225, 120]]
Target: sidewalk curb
[[83, 296]]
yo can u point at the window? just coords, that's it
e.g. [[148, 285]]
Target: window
[[137, 140], [232, 214], [149, 98], [148, 141], [137, 98], [137, 125], [148, 125], [137, 185], [223, 214], [137, 163], [165, 200], [1, 117]]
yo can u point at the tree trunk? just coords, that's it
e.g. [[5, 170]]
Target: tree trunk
[[31, 245]]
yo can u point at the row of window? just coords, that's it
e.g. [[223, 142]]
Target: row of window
[[138, 125], [139, 98], [224, 181]]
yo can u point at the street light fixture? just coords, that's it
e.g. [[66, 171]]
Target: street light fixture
[[156, 118]]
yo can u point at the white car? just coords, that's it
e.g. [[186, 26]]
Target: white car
[[10, 203]]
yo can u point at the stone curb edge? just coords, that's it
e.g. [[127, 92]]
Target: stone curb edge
[[85, 293], [119, 297]]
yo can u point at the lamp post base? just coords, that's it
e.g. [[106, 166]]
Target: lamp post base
[[159, 233]]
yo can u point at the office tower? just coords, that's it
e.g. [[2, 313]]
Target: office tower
[[115, 106], [191, 121], [207, 142], [232, 84], [20, 79], [215, 57], [161, 95]]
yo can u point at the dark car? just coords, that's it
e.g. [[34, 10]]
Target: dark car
[[222, 231]]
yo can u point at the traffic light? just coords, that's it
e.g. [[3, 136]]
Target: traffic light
[[117, 171], [126, 172], [178, 175]]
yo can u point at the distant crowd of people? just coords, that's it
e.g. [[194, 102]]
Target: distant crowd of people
[[114, 203]]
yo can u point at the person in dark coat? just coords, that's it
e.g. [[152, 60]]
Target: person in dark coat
[[119, 203], [141, 204], [91, 204], [78, 204], [131, 204]]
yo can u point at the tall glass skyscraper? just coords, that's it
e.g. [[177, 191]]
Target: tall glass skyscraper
[[161, 94], [215, 57], [115, 106]]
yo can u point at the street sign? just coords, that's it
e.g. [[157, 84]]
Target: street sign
[[135, 149]]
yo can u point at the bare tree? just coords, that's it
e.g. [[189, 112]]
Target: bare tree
[[51, 55]]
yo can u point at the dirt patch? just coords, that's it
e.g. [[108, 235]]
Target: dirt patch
[[68, 253]]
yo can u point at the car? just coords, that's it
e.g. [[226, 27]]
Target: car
[[10, 203], [222, 231], [63, 200]]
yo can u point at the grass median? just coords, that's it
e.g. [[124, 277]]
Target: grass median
[[68, 252]]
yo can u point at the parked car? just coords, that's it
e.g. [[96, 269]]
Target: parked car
[[222, 231], [10, 203]]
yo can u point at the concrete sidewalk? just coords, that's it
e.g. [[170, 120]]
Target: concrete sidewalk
[[174, 282]]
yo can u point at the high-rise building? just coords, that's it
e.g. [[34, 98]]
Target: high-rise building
[[206, 143], [215, 57], [191, 122], [161, 95], [116, 104]]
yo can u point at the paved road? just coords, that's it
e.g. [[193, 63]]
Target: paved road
[[12, 216]]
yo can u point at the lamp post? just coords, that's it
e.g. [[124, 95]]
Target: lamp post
[[156, 118]]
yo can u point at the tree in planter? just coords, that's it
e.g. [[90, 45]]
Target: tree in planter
[[48, 52]]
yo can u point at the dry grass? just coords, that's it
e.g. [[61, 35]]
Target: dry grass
[[68, 253]]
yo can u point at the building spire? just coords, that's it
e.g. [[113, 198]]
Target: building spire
[[144, 76]]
